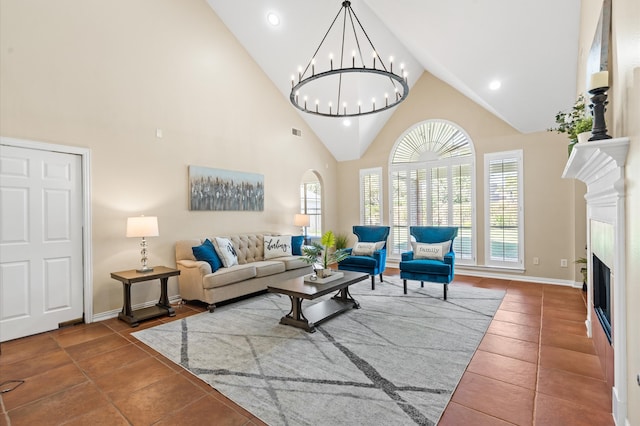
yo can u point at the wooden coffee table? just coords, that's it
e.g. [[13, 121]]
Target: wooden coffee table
[[298, 289]]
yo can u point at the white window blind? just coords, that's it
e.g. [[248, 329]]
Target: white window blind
[[371, 196], [503, 204]]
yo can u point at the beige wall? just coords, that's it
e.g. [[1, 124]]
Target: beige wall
[[549, 199], [106, 74], [625, 78]]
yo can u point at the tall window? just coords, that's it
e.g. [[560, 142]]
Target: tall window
[[311, 204], [371, 196], [503, 209], [432, 183]]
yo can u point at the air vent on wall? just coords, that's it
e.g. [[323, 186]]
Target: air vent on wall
[[296, 132]]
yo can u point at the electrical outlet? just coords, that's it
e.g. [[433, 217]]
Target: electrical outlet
[[159, 133], [536, 260], [563, 263]]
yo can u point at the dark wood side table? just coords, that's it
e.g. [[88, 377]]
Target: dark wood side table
[[161, 308]]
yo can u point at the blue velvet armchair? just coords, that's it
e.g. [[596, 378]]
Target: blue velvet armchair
[[373, 263], [434, 262]]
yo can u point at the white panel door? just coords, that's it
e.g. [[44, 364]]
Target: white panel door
[[41, 269]]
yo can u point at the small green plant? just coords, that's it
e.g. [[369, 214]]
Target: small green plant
[[583, 269], [575, 121], [341, 241], [324, 252]]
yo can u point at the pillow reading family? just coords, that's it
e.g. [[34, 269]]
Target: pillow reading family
[[431, 251], [366, 249]]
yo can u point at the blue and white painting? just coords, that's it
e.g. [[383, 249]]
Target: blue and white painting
[[217, 189]]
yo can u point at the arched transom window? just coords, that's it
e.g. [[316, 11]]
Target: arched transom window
[[432, 181]]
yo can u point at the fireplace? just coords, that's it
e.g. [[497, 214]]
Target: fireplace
[[602, 294], [600, 165]]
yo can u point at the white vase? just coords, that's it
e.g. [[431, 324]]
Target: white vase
[[584, 137]]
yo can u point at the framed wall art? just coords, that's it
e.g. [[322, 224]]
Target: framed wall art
[[223, 190]]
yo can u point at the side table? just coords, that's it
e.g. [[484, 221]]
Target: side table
[[160, 309]]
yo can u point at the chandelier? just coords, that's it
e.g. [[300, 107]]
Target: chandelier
[[336, 89]]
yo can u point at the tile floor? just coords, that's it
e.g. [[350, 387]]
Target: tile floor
[[534, 367]]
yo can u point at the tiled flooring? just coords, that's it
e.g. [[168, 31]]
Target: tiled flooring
[[534, 367]]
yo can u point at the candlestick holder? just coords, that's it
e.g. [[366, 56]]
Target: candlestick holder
[[598, 107]]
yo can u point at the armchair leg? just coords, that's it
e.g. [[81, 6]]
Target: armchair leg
[[381, 280], [373, 282], [446, 286], [404, 282], [422, 284]]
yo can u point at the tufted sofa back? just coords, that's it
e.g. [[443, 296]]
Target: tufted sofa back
[[249, 247]]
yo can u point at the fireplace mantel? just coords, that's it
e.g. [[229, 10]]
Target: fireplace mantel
[[600, 165], [594, 162]]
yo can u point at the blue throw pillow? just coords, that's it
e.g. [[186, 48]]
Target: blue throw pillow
[[296, 245], [206, 252]]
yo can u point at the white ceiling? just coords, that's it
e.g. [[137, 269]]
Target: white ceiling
[[531, 47]]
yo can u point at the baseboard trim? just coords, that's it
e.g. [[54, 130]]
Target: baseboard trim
[[102, 316], [516, 277]]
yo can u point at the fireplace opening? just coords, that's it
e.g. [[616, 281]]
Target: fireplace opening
[[602, 294]]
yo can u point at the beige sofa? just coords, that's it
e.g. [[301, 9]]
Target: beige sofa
[[252, 274]]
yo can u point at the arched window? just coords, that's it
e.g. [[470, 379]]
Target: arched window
[[311, 203], [432, 182]]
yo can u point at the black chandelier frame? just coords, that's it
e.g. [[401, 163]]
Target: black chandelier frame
[[397, 81]]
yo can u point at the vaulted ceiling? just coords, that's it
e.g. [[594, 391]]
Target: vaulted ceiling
[[530, 47]]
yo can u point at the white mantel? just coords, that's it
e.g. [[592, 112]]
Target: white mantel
[[600, 165]]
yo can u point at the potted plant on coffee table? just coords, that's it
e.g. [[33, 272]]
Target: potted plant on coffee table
[[323, 254]]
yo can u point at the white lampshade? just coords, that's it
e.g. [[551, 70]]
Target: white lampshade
[[142, 226], [301, 220]]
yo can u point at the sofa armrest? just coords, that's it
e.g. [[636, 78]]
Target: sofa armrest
[[380, 256], [191, 266], [406, 256], [191, 277], [449, 258]]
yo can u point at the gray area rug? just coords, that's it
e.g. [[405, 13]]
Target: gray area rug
[[394, 361]]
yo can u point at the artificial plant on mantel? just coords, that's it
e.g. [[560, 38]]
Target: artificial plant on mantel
[[574, 122]]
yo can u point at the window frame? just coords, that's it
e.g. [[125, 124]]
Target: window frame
[[428, 167], [489, 158], [374, 171], [315, 217]]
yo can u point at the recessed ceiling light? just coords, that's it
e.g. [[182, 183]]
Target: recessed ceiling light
[[273, 19], [495, 85], [346, 122]]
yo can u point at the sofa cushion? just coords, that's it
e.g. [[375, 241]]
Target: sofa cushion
[[226, 251], [207, 253], [296, 245], [277, 246], [268, 267], [426, 266], [230, 275], [431, 251], [360, 261], [293, 262]]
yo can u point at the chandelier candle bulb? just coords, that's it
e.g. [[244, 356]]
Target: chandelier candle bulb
[[599, 79]]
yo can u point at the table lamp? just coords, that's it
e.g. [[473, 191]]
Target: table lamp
[[302, 220], [143, 226]]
